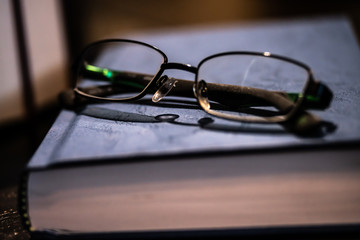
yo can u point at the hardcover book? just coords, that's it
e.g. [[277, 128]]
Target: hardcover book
[[135, 170]]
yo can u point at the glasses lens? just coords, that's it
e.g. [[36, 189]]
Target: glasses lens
[[117, 69], [241, 84]]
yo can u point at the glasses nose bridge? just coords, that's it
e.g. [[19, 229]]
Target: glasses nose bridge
[[179, 66]]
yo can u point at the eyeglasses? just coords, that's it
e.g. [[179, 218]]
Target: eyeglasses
[[239, 86]]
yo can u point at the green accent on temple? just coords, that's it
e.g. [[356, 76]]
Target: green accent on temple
[[110, 74], [294, 96], [132, 84], [312, 98], [93, 68], [309, 98], [302, 121], [106, 72]]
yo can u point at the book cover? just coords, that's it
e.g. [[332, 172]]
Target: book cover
[[161, 162]]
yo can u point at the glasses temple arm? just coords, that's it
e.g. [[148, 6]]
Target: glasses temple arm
[[317, 97], [237, 96], [224, 94]]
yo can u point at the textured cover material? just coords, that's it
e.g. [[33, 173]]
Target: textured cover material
[[327, 45]]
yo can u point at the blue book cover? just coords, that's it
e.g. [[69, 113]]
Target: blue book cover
[[120, 130], [163, 184]]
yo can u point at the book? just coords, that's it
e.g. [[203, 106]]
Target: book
[[115, 170]]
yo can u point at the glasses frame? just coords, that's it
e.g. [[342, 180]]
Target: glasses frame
[[312, 87]]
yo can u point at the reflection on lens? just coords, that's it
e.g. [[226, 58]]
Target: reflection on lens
[[252, 84], [117, 69]]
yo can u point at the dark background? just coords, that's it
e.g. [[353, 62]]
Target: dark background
[[89, 20]]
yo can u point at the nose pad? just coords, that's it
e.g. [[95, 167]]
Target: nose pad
[[202, 95], [166, 84]]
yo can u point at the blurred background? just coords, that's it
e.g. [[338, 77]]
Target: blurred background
[[40, 39]]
